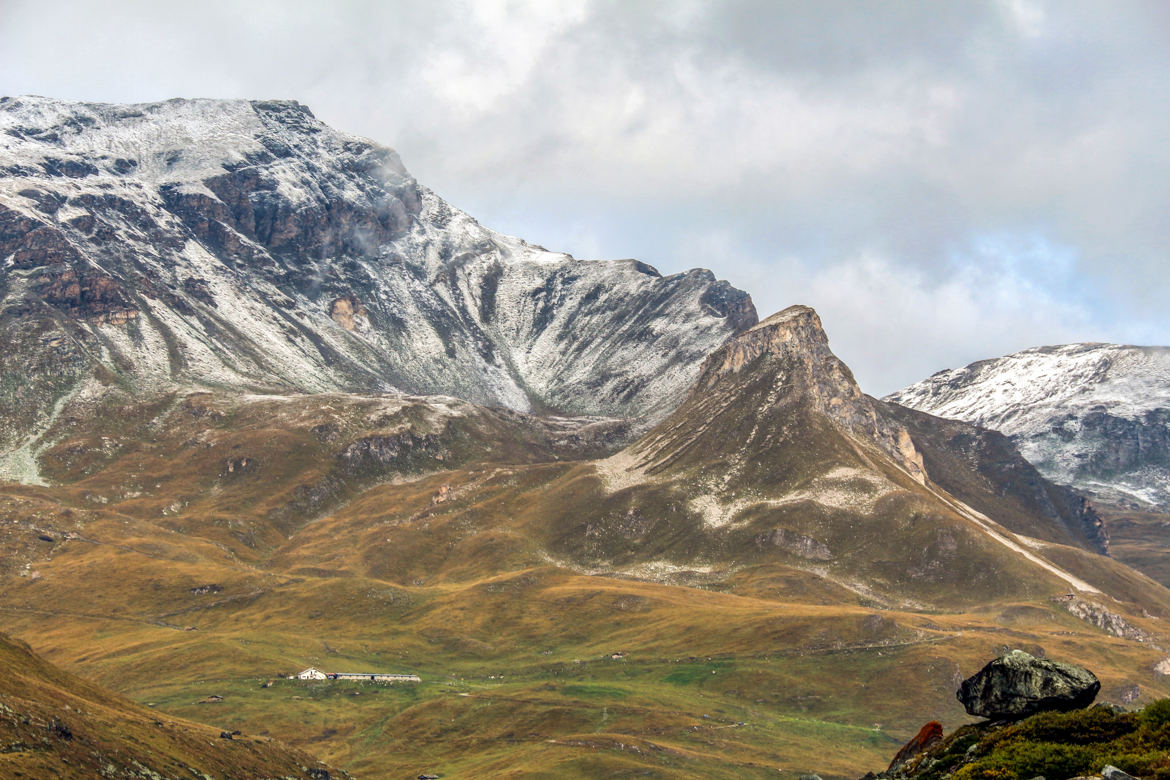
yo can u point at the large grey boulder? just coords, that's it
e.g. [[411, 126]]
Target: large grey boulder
[[1017, 685]]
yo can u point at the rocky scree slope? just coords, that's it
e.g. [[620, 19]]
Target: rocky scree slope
[[245, 244], [1092, 416]]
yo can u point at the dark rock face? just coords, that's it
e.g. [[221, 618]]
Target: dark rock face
[[793, 341], [730, 303], [1092, 416], [1123, 444], [984, 469], [375, 454], [1017, 685]]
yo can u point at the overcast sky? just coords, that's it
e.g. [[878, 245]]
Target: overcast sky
[[944, 182]]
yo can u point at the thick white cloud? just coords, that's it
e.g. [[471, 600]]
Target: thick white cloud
[[1007, 294], [894, 163]]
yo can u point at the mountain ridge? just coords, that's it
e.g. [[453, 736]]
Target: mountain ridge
[[246, 244], [1093, 416]]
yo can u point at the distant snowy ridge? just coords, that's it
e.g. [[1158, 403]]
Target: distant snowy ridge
[[1093, 416], [245, 244]]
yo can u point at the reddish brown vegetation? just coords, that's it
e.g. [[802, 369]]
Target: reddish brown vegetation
[[928, 736]]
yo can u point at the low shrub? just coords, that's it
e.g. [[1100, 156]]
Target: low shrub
[[1057, 745]]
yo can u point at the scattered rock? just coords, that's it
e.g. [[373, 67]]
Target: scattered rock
[[928, 736], [45, 537], [237, 466], [326, 432], [1129, 694], [380, 452], [797, 544], [1102, 618], [1111, 772], [60, 729], [226, 735], [1017, 684], [1116, 709], [202, 590]]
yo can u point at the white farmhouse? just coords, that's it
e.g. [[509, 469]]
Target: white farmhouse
[[312, 673]]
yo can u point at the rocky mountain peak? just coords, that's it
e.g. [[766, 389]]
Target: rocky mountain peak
[[792, 348], [246, 244], [796, 329]]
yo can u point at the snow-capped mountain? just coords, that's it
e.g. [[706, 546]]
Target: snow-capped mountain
[[1093, 416], [245, 244]]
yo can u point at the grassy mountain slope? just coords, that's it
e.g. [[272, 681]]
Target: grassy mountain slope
[[1139, 538], [53, 724], [772, 578]]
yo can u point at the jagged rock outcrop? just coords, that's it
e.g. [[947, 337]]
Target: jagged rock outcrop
[[1104, 619], [1017, 685], [1093, 416], [796, 338], [246, 244], [791, 351]]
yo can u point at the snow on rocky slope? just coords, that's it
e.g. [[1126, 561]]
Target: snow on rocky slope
[[1093, 416], [245, 244]]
